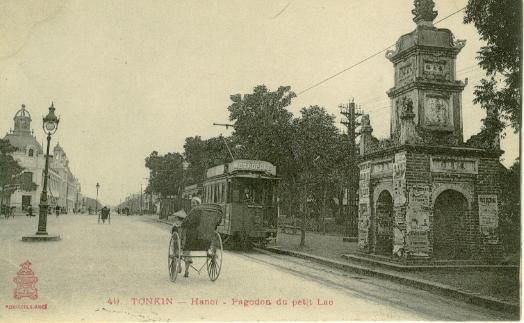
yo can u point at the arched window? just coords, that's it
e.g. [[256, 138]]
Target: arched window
[[31, 152]]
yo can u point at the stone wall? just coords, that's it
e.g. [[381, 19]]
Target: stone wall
[[419, 177]]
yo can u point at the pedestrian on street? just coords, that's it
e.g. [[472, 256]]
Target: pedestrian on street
[[57, 210], [29, 210]]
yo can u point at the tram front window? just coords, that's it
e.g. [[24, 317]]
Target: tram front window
[[252, 191]]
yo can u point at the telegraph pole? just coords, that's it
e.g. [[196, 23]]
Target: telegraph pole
[[140, 199], [352, 114]]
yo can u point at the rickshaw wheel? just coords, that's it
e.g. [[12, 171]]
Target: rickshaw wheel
[[174, 256], [214, 258]]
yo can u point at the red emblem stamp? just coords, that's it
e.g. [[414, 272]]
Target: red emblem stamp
[[25, 281]]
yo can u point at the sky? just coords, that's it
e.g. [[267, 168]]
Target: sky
[[128, 77]]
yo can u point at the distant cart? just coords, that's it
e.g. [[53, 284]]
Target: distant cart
[[196, 237], [104, 215]]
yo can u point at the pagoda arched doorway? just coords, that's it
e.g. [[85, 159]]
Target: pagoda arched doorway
[[450, 222]]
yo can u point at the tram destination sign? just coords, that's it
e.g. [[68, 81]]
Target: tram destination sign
[[252, 165]]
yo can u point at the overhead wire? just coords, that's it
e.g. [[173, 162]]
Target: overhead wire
[[365, 59]]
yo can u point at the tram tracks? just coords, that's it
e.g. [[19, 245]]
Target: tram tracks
[[375, 290], [372, 289]]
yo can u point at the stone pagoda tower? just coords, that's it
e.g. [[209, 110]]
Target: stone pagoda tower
[[424, 192]]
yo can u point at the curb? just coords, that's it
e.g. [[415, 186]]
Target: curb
[[468, 297], [421, 267]]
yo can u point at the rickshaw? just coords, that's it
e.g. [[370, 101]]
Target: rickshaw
[[196, 237], [102, 216]]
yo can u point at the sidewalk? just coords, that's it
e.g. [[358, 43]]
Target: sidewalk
[[491, 287]]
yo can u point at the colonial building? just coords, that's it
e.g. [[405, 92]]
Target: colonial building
[[424, 192], [63, 188], [67, 193]]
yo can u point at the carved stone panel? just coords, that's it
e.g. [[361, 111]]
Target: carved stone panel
[[382, 168], [438, 111], [454, 165], [406, 71], [436, 69], [397, 108]]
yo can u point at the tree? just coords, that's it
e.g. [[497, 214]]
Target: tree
[[9, 167], [166, 173], [314, 148], [195, 154], [264, 130], [203, 154], [263, 125], [499, 23]]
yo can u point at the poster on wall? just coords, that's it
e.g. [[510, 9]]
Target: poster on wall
[[418, 211], [399, 180], [399, 200], [363, 225], [364, 209], [488, 216]]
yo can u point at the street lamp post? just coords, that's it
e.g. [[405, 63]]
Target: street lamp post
[[50, 125], [96, 201]]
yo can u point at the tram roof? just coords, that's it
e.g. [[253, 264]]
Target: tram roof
[[255, 176], [243, 166]]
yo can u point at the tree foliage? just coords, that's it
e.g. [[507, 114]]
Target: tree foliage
[[263, 125], [203, 154], [308, 150], [315, 140], [499, 23], [9, 167], [166, 173]]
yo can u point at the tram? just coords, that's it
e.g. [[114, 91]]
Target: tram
[[247, 192]]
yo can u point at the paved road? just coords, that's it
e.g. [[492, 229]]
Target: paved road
[[127, 261]]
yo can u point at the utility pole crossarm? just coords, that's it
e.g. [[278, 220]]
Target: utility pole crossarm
[[227, 125]]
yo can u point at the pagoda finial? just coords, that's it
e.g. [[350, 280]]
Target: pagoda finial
[[424, 13]]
